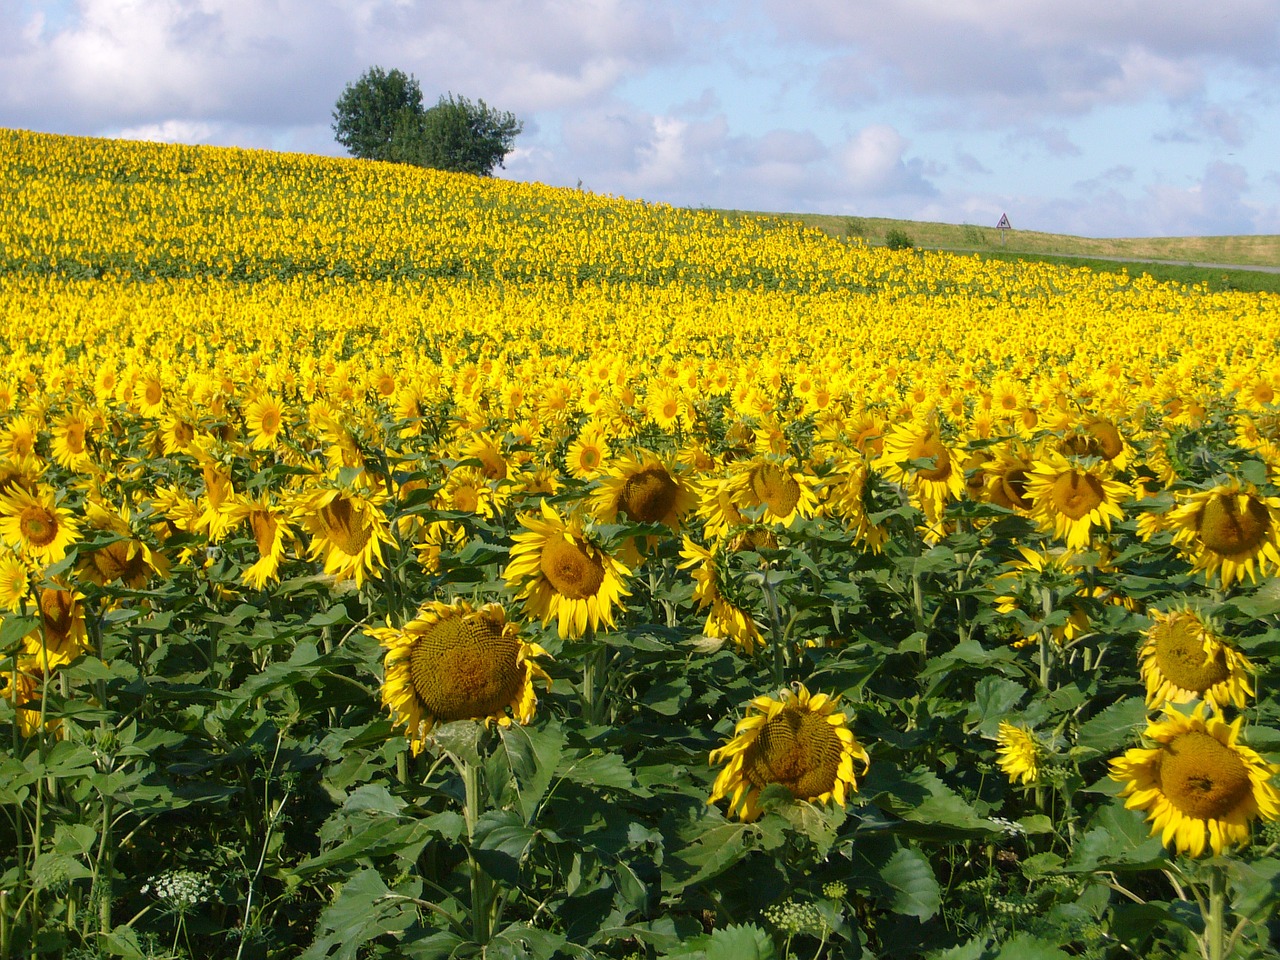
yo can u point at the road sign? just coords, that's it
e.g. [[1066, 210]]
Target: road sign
[[1004, 222]]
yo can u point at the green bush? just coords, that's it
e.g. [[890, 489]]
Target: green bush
[[897, 239]]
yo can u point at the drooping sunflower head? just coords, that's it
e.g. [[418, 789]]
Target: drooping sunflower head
[[1184, 659], [799, 742], [561, 574], [1198, 785], [454, 662], [727, 616], [1231, 530]]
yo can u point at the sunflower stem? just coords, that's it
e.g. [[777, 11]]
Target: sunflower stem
[[1046, 641], [775, 629], [595, 675], [1215, 927], [481, 887]]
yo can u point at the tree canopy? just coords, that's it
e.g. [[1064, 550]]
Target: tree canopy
[[381, 117]]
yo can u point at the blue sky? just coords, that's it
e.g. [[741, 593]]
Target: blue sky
[[1091, 117]]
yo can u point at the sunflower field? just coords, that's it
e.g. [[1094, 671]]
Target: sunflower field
[[401, 564]]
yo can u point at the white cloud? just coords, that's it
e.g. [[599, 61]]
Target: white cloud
[[873, 163]]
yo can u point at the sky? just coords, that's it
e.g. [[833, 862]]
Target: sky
[[1098, 118]]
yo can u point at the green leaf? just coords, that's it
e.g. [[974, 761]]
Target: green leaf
[[500, 842], [601, 771], [364, 908], [122, 942], [14, 627], [994, 700], [1113, 728], [915, 889], [519, 941], [734, 942], [532, 755], [706, 849]]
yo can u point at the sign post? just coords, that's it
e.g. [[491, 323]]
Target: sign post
[[1003, 226]]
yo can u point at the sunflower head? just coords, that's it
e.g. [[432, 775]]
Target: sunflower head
[[1231, 530], [562, 574], [799, 742], [1184, 658], [1198, 785], [453, 662], [1020, 753]]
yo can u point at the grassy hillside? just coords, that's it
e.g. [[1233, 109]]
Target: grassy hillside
[[1243, 250]]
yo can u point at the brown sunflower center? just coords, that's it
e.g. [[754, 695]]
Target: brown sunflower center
[[797, 749], [465, 667], [776, 489], [571, 569], [1109, 442], [589, 458], [56, 611], [1011, 491], [1076, 494], [930, 447], [343, 527], [648, 496], [1231, 532], [38, 526], [119, 560], [1181, 658], [1203, 778], [74, 438]]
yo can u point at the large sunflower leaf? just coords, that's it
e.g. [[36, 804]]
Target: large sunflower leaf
[[1113, 728], [915, 889]]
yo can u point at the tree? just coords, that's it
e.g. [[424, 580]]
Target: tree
[[376, 113], [466, 137], [380, 117]]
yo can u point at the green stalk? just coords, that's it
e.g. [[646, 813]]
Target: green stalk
[[595, 676], [775, 629], [1215, 928], [481, 885], [1046, 642]]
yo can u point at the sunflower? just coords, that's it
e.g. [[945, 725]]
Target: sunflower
[[799, 741], [20, 685], [940, 479], [1199, 786], [126, 558], [587, 454], [69, 446], [1008, 473], [642, 489], [61, 635], [271, 526], [348, 530], [264, 419], [1070, 499], [148, 396], [1099, 437], [467, 490], [453, 662], [784, 494], [562, 575], [725, 618], [18, 441], [1231, 530], [1019, 752], [1027, 578], [1184, 659], [34, 524], [15, 582], [850, 496]]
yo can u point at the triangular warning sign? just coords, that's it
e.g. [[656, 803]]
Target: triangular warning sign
[[1004, 222]]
